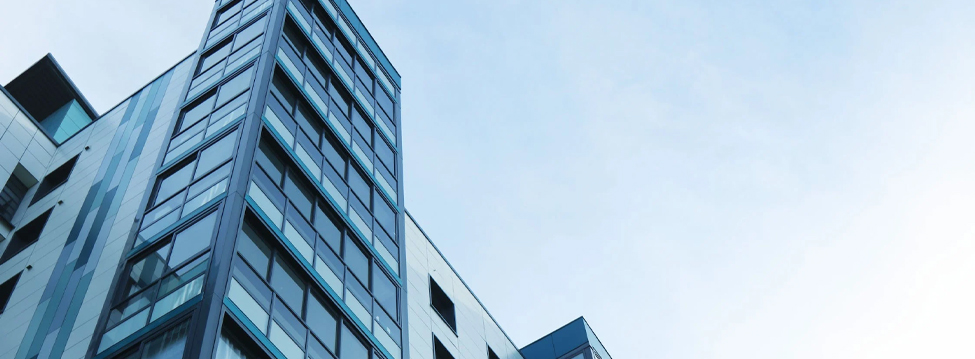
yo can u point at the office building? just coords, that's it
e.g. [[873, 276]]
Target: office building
[[247, 203]]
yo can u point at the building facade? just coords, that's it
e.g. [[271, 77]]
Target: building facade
[[248, 203]]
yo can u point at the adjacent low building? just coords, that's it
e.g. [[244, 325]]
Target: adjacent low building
[[247, 203]]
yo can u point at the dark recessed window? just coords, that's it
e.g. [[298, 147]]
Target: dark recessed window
[[54, 180], [443, 305], [6, 290], [25, 236], [440, 351], [13, 193], [492, 355]]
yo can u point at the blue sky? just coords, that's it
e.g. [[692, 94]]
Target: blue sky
[[700, 179]]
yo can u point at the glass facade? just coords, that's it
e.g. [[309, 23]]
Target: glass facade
[[246, 204]]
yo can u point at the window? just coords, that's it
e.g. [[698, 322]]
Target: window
[[442, 304], [25, 236], [54, 180], [188, 186], [439, 350], [384, 290], [159, 280], [14, 191], [168, 345], [491, 354], [234, 344], [6, 291], [352, 347]]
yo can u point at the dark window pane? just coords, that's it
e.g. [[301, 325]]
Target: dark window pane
[[294, 37], [169, 345], [385, 103], [288, 285], [385, 153], [297, 191], [316, 350], [252, 284], [440, 351], [25, 236], [321, 320], [197, 112], [252, 31], [385, 215], [227, 13], [284, 91], [308, 121], [359, 185], [254, 250], [12, 196], [216, 154], [289, 322], [193, 239], [146, 271], [214, 56], [340, 98], [234, 87], [442, 304], [7, 290], [54, 180], [174, 182], [356, 259], [334, 156], [271, 160], [352, 346], [384, 290], [325, 225]]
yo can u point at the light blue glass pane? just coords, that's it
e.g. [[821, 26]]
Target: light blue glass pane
[[289, 66], [244, 59], [365, 103], [325, 271], [322, 49], [123, 330], [251, 309], [337, 126], [223, 123], [388, 257], [387, 342], [365, 161], [157, 227], [386, 131], [347, 30], [302, 23], [207, 83], [329, 8], [343, 75], [315, 99], [390, 192], [386, 83], [216, 154], [207, 195], [254, 12], [360, 224], [265, 204], [316, 171], [272, 119], [181, 149], [164, 209], [357, 308], [334, 193], [367, 57], [284, 343], [177, 298], [292, 235]]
